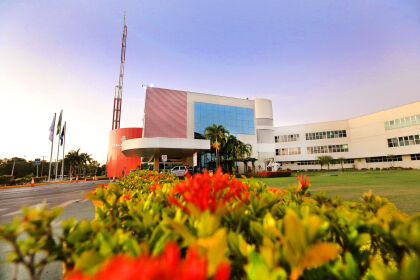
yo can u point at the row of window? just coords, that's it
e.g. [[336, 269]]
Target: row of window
[[415, 157], [402, 122], [286, 138], [315, 162], [307, 162], [368, 160], [288, 151], [404, 141], [328, 149], [326, 135], [384, 159]]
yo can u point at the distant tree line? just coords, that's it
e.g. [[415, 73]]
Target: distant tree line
[[75, 162]]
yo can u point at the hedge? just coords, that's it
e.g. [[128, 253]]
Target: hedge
[[153, 226], [268, 174], [6, 179]]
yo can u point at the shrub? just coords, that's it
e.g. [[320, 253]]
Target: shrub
[[40, 179], [6, 179], [22, 181], [236, 228], [268, 174]]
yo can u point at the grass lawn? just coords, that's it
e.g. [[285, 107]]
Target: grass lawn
[[402, 187]]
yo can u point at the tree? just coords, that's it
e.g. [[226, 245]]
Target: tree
[[253, 160], [391, 159], [86, 160], [216, 134], [20, 166], [325, 160], [341, 161], [77, 161]]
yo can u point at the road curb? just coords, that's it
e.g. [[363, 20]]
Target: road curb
[[28, 185], [40, 184]]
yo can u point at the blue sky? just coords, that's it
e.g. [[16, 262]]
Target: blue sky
[[317, 61]]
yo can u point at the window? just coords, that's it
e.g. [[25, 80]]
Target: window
[[307, 162], [402, 122], [328, 149], [404, 141], [235, 119], [288, 151], [286, 138], [415, 157], [384, 159], [326, 135]]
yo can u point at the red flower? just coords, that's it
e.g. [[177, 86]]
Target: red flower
[[304, 181], [169, 265], [223, 271], [276, 190], [209, 192], [126, 197], [153, 187]]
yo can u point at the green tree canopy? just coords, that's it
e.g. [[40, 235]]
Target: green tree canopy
[[325, 160]]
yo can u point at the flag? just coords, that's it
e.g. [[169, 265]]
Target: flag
[[59, 123], [62, 134], [52, 129]]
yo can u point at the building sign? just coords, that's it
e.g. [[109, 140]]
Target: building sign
[[195, 158], [164, 158]]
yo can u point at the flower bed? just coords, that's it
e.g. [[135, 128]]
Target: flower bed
[[154, 226], [267, 174]]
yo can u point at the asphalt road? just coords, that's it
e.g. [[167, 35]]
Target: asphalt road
[[12, 200], [68, 195]]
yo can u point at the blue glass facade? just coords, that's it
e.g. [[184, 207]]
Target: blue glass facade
[[235, 119]]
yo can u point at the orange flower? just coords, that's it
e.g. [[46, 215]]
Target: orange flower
[[209, 192], [304, 181], [216, 145], [276, 190]]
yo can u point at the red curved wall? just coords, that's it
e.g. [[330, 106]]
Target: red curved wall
[[116, 161]]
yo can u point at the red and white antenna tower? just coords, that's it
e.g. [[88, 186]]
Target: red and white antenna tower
[[116, 116]]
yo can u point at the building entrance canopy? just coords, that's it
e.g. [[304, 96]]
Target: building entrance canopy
[[149, 148]]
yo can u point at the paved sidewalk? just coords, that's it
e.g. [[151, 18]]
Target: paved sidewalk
[[79, 210]]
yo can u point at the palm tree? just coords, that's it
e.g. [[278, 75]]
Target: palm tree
[[341, 161], [86, 159], [325, 160], [74, 159], [216, 134], [253, 160]]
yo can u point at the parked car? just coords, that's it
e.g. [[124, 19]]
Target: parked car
[[179, 170], [191, 170]]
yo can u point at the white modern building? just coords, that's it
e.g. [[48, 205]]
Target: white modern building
[[389, 138], [174, 122]]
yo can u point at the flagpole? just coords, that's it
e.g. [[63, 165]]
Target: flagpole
[[58, 146], [52, 144], [58, 153], [64, 145]]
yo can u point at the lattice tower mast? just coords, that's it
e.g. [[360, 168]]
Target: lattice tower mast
[[116, 116]]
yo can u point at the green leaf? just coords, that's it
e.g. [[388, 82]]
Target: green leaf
[[88, 261], [257, 269]]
